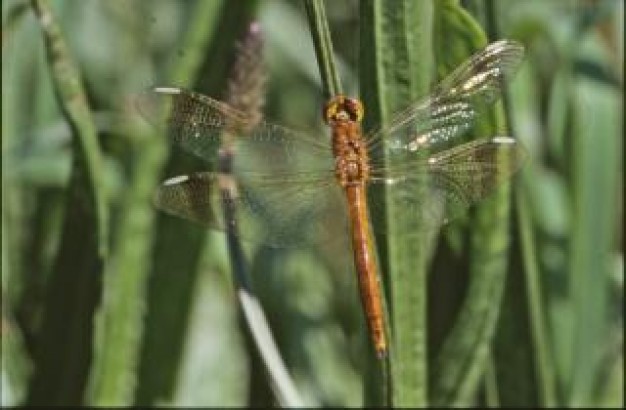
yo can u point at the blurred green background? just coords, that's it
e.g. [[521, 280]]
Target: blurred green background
[[120, 304]]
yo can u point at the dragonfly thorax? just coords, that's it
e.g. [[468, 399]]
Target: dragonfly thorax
[[351, 158]]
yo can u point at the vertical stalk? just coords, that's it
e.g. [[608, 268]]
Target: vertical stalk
[[63, 358], [490, 383], [323, 47], [376, 375], [120, 320], [596, 159], [546, 377], [178, 246], [543, 361], [245, 93], [460, 364], [396, 64]]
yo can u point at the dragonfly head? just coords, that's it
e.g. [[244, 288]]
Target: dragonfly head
[[341, 108]]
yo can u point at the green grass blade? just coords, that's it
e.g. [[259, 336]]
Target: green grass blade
[[461, 361], [490, 384], [246, 88], [395, 70], [120, 319], [15, 369], [376, 376], [544, 366], [323, 47], [178, 244], [73, 102], [533, 367], [596, 153], [527, 377], [66, 335]]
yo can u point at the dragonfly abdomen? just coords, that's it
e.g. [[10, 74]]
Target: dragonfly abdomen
[[364, 256]]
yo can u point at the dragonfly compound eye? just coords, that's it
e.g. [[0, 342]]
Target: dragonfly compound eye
[[342, 108], [354, 108]]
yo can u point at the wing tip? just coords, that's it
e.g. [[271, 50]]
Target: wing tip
[[167, 90], [503, 140], [520, 153], [176, 180], [511, 51], [506, 42]]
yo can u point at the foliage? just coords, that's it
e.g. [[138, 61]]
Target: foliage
[[106, 301]]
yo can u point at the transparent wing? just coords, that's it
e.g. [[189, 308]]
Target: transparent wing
[[441, 187], [276, 211], [198, 124], [435, 122]]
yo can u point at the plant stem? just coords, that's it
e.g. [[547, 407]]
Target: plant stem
[[178, 246], [323, 47], [395, 70], [63, 359], [546, 377], [245, 93], [461, 362], [120, 319]]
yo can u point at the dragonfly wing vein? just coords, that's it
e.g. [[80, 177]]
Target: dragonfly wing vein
[[440, 188], [280, 212], [198, 124], [436, 122]]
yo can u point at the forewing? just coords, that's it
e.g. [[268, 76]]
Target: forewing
[[436, 122], [199, 124], [277, 211], [440, 188]]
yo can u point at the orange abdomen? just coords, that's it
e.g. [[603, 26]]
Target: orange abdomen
[[369, 285]]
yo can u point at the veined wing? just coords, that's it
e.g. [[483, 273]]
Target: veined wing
[[450, 181], [435, 122], [277, 210], [199, 125]]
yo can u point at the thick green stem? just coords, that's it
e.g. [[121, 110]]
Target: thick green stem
[[65, 344], [461, 362], [396, 65], [178, 245], [121, 317]]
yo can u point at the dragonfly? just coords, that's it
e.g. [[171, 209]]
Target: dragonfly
[[291, 187]]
